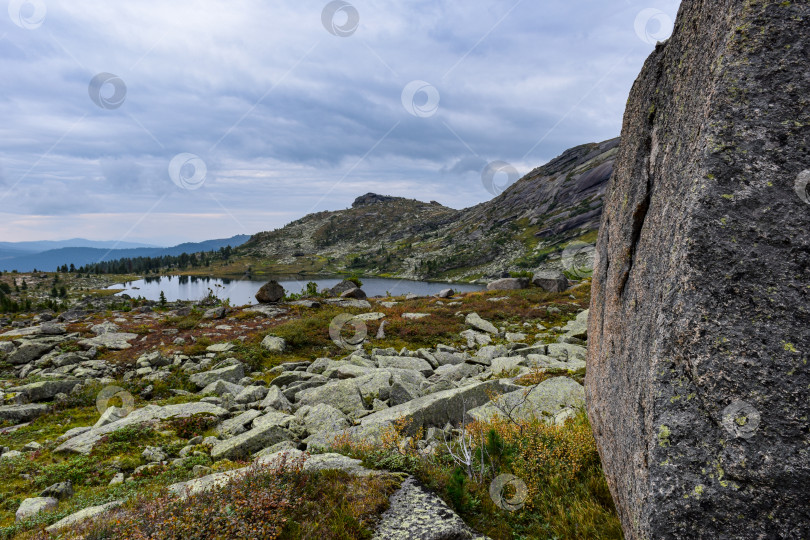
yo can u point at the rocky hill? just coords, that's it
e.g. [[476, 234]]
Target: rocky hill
[[523, 228]]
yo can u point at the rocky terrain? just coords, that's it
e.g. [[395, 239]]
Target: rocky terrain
[[698, 387], [524, 228], [199, 392]]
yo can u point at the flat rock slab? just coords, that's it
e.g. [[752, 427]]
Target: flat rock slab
[[475, 320], [417, 514], [35, 505], [232, 374], [250, 442], [115, 341], [45, 390], [82, 515], [543, 401], [433, 410], [349, 303], [22, 413], [84, 442]]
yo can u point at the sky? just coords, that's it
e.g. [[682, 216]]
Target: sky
[[164, 122]]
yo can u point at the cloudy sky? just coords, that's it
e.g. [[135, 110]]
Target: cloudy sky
[[165, 122]]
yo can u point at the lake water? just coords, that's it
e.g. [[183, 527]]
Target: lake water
[[242, 291]]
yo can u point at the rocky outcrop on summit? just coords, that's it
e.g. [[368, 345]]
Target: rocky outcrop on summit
[[518, 229], [697, 386]]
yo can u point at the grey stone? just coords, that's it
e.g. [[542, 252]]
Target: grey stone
[[115, 341], [275, 399], [221, 388], [274, 344], [45, 390], [238, 424], [446, 293], [578, 328], [106, 327], [28, 352], [550, 280], [33, 506], [543, 401], [415, 513], [84, 442], [153, 454], [232, 374], [220, 347], [433, 410], [405, 362], [22, 413], [82, 515], [271, 292], [61, 491], [250, 442], [357, 293], [32, 446], [567, 352], [476, 338], [251, 394], [342, 287], [215, 313], [475, 320], [508, 284]]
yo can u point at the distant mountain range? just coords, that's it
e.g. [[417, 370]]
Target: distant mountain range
[[48, 256]]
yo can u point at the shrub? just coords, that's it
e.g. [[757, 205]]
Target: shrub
[[192, 426]]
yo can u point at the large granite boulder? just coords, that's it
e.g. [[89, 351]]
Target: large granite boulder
[[270, 293], [697, 385]]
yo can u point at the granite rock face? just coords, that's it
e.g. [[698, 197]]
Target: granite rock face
[[698, 387]]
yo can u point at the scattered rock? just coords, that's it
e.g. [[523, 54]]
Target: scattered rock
[[416, 513], [446, 293], [415, 316]]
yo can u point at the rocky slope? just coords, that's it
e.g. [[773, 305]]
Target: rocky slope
[[523, 228], [120, 392], [697, 377]]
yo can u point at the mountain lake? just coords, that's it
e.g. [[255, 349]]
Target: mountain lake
[[242, 291]]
